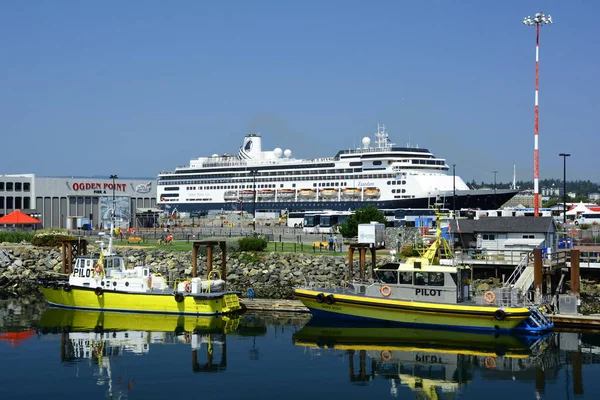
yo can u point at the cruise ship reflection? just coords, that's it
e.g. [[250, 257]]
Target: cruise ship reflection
[[432, 363], [102, 337]]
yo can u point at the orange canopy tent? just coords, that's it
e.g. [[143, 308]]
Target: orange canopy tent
[[18, 217]]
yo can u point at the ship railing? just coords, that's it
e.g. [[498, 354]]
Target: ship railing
[[511, 297]]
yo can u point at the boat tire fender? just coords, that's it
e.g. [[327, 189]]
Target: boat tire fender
[[67, 287], [385, 291], [329, 299], [499, 314], [99, 291], [489, 296], [178, 297], [320, 298]]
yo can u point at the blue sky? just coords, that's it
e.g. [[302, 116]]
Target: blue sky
[[138, 87]]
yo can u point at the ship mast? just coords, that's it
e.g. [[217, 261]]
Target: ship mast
[[382, 139]]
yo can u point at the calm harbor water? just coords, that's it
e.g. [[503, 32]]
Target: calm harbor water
[[50, 353]]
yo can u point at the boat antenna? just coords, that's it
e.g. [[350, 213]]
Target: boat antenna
[[113, 215]]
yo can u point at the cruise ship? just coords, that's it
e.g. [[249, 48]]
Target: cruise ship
[[380, 174]]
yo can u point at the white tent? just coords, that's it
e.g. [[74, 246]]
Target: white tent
[[579, 209]]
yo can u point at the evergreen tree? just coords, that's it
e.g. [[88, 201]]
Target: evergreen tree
[[361, 216]]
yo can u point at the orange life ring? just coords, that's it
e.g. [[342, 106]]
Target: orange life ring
[[188, 287], [489, 296], [386, 355], [490, 362], [98, 268], [385, 291]]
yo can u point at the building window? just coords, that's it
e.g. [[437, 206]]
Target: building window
[[489, 237], [18, 186], [528, 237], [1, 185], [9, 187], [26, 186]]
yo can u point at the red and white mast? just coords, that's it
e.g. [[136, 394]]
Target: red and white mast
[[537, 21]]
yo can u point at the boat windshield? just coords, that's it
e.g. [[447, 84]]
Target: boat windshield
[[387, 276]]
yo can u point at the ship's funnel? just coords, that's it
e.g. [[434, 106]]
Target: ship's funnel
[[252, 147]]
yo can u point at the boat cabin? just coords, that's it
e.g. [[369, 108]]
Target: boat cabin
[[109, 272], [416, 280]]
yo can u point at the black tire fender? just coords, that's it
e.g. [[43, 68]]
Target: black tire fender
[[320, 298], [329, 299], [499, 314], [178, 297], [99, 291]]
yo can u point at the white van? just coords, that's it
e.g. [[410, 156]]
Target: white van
[[588, 218]]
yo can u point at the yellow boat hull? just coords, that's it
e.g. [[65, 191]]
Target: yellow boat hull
[[347, 306], [152, 302], [82, 320]]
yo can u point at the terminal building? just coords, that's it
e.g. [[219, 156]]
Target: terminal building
[[86, 203]]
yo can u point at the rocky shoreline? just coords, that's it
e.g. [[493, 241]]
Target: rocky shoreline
[[270, 275]]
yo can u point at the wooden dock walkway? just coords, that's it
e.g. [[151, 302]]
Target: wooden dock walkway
[[274, 305]]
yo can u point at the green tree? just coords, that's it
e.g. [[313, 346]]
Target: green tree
[[361, 216]]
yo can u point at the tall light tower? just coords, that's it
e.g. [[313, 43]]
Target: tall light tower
[[538, 20]]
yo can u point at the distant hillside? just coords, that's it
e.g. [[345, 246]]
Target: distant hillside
[[581, 188]]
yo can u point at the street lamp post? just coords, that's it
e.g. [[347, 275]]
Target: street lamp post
[[495, 172], [564, 156], [454, 190], [254, 171], [538, 20], [114, 209]]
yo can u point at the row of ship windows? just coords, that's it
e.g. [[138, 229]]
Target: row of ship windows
[[307, 178], [285, 176], [398, 190], [15, 186], [15, 203], [396, 182], [261, 186]]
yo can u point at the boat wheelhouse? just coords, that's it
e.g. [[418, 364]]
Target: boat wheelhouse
[[383, 175]]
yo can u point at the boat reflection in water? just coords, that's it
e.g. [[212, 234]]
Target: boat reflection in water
[[100, 337], [433, 363]]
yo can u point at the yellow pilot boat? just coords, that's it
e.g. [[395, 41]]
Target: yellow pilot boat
[[427, 291], [102, 282]]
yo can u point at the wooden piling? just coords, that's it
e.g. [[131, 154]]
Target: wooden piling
[[575, 279]]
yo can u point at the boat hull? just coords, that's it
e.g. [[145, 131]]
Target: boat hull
[[349, 307], [150, 302], [481, 199]]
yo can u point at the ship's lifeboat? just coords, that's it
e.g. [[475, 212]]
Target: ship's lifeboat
[[372, 193], [230, 195], [307, 193], [286, 193], [247, 194], [351, 192], [266, 193], [328, 192]]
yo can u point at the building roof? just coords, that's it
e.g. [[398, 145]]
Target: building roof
[[19, 217], [503, 225]]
